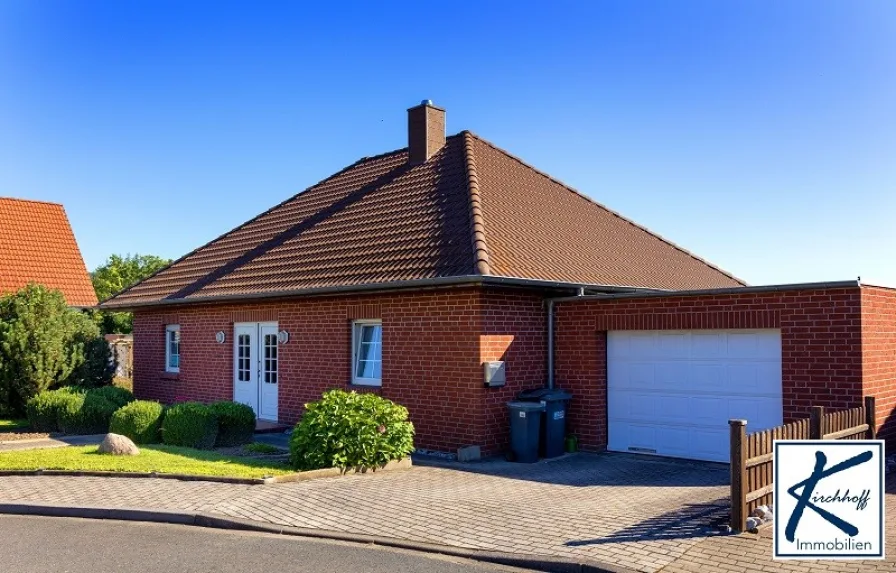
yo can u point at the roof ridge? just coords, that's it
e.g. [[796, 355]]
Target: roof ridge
[[605, 208], [41, 201], [480, 247], [253, 219]]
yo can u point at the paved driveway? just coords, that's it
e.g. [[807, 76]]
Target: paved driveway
[[648, 514], [615, 508]]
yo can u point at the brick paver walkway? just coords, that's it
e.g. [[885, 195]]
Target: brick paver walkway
[[647, 514]]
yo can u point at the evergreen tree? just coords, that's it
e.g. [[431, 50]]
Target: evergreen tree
[[42, 343]]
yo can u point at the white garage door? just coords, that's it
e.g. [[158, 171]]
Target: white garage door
[[671, 393]]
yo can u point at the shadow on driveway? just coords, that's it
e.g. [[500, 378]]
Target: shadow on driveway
[[692, 520]]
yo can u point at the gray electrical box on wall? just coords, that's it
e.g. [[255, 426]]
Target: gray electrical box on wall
[[494, 374]]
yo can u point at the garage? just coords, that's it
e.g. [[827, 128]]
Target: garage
[[672, 392]]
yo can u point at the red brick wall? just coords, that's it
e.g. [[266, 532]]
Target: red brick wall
[[821, 338], [435, 342], [431, 356], [514, 329], [879, 354]]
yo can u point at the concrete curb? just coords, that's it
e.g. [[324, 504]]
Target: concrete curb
[[208, 520], [396, 465]]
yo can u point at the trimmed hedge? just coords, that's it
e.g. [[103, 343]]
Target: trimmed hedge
[[351, 430], [43, 410], [236, 423], [118, 396], [190, 424], [86, 413], [140, 420]]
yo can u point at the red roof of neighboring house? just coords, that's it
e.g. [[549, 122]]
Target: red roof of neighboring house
[[470, 210], [37, 245]]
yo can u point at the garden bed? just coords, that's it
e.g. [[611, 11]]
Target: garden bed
[[21, 436], [14, 430]]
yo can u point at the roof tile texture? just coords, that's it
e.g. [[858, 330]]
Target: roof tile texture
[[37, 245], [538, 228], [471, 209]]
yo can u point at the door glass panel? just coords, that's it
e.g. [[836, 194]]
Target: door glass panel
[[270, 358], [244, 373]]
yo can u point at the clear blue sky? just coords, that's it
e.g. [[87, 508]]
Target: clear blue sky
[[759, 135]]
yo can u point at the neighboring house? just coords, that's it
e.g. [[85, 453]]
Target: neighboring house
[[37, 245], [407, 273]]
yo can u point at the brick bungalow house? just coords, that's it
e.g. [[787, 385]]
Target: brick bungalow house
[[409, 273], [37, 246]]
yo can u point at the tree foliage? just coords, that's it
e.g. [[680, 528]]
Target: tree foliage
[[43, 343], [116, 274]]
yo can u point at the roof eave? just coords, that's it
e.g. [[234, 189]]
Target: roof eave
[[644, 293], [471, 280]]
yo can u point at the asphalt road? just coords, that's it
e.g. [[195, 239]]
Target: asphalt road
[[50, 545]]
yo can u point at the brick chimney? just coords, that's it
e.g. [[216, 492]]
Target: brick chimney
[[426, 131]]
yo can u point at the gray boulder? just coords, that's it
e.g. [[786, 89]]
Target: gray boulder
[[118, 445]]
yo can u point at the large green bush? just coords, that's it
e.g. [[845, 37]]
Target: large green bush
[[140, 420], [190, 424], [86, 413], [43, 410], [236, 423], [44, 343], [351, 430]]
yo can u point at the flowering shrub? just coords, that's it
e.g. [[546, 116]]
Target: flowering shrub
[[351, 430]]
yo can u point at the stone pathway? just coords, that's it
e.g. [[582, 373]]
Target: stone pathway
[[648, 514]]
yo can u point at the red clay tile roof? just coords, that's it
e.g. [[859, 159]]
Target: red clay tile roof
[[37, 245], [471, 210]]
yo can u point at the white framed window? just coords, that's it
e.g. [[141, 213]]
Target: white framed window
[[172, 348], [367, 352]]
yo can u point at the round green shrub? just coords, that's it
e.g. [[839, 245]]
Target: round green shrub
[[43, 409], [118, 396], [140, 420], [86, 413], [236, 423], [190, 424], [351, 430]]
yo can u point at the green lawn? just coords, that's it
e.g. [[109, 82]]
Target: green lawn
[[157, 458], [7, 425]]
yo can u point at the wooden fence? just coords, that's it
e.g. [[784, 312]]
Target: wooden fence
[[751, 455]]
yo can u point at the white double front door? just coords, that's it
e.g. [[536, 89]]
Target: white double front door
[[255, 367]]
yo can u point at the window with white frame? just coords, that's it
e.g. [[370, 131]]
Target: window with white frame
[[367, 352], [172, 348]]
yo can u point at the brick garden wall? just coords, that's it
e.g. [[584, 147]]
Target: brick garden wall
[[821, 338], [431, 357], [879, 354]]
